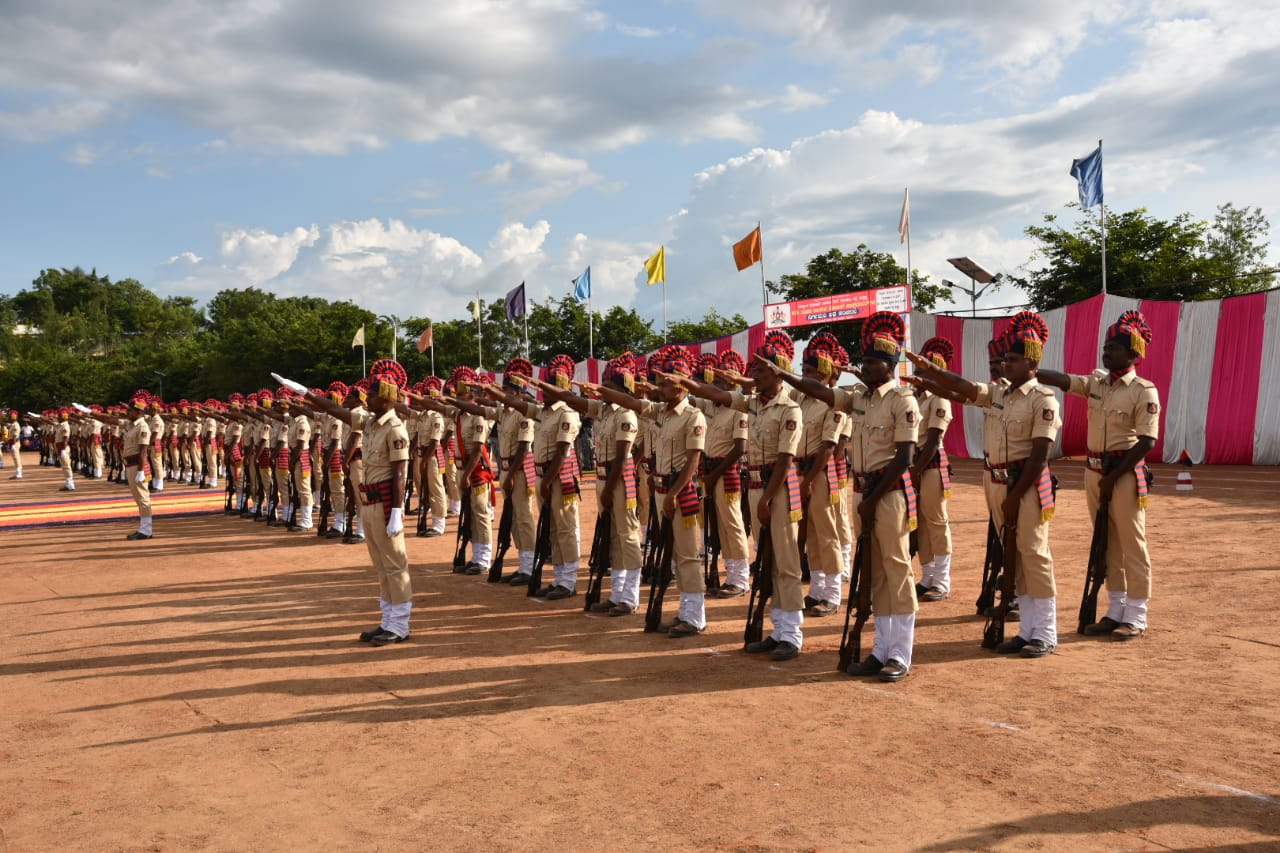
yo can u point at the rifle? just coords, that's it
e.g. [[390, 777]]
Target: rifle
[[326, 499], [273, 500], [229, 504], [408, 489], [542, 548], [859, 603], [711, 543], [802, 541], [993, 632], [295, 500], [1096, 574], [350, 507], [464, 529], [653, 535], [422, 505], [990, 569], [658, 589], [504, 536], [761, 588], [599, 563]]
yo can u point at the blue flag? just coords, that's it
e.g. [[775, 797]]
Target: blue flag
[[582, 285], [1088, 172], [515, 303]]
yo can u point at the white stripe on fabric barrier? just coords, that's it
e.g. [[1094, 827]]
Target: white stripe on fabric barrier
[[1112, 308], [1054, 359], [1266, 427], [741, 341], [1188, 404], [974, 355], [923, 327]]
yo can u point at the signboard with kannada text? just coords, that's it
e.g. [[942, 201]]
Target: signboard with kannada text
[[837, 308]]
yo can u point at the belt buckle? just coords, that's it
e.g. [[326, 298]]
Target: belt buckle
[[999, 475], [860, 482], [1095, 464]]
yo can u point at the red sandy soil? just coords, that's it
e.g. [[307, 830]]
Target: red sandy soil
[[205, 691]]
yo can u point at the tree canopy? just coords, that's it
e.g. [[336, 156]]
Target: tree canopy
[[1181, 259]]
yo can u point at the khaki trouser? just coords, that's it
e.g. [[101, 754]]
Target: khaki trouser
[[481, 523], [451, 479], [565, 537], [643, 496], [935, 523], [893, 583], [524, 524], [843, 512], [390, 559], [98, 459], [138, 491], [437, 500], [733, 534], [624, 532], [302, 484], [64, 460], [822, 541], [1128, 561], [16, 450], [337, 491], [686, 538], [788, 588], [211, 457], [1034, 576]]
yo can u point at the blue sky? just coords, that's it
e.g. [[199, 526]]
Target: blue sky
[[405, 154]]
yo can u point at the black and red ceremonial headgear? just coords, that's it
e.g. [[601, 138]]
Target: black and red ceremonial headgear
[[432, 385], [462, 378], [361, 387], [518, 366], [939, 350], [883, 334], [338, 390], [1131, 331], [621, 371], [13, 414], [560, 369], [236, 399], [822, 353], [707, 364], [997, 347], [777, 348], [391, 377], [731, 362], [486, 377], [140, 400], [1028, 333], [673, 359], [266, 398]]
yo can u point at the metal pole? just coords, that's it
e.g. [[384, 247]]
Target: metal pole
[[973, 297], [591, 331], [1102, 218], [526, 334], [479, 335], [764, 299], [363, 370], [664, 309]]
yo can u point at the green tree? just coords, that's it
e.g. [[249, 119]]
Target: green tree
[[712, 325], [1182, 259], [845, 272]]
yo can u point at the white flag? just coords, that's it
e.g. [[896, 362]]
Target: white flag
[[904, 223], [358, 340]]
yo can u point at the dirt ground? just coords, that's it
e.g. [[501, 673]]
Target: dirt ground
[[205, 691]]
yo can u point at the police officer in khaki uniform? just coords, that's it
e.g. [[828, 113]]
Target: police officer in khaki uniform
[[1029, 422], [477, 473], [727, 432], [931, 473], [62, 444], [1124, 423], [431, 456], [519, 478], [299, 439], [385, 457], [137, 438], [13, 439], [819, 484], [615, 430]]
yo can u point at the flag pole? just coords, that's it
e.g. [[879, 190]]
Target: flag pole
[[433, 350], [526, 333], [764, 299], [363, 370], [664, 305], [591, 330], [479, 335], [905, 195], [1102, 221]]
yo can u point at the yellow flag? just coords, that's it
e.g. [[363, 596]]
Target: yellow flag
[[657, 266], [475, 309]]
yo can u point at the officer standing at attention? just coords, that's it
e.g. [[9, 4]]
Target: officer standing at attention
[[1124, 423]]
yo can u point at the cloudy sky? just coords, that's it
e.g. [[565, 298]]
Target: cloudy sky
[[405, 154]]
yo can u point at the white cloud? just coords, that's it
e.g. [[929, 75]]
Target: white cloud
[[260, 255], [41, 124]]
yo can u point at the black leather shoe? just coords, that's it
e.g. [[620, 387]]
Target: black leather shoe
[[476, 568], [1011, 647], [809, 601], [785, 651], [684, 629], [386, 638], [730, 591], [768, 644], [460, 570], [621, 610], [894, 670], [932, 593], [333, 534], [601, 607], [544, 592], [433, 532], [517, 579], [556, 593], [1105, 625], [366, 636], [870, 665], [137, 535], [1036, 649], [822, 608], [354, 540], [921, 589]]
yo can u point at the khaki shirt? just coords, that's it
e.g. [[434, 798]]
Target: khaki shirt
[[822, 423], [386, 441], [1027, 412], [681, 428], [724, 427], [299, 431], [235, 430], [774, 427], [557, 424], [475, 430], [62, 433], [157, 427], [935, 413], [1119, 413], [881, 418], [137, 437], [613, 424], [991, 429], [514, 426]]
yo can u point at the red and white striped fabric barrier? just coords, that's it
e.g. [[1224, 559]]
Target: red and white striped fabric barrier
[[1216, 363]]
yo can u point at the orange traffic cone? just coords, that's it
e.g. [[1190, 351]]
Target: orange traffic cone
[[1184, 476]]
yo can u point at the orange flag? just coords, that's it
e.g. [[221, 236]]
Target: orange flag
[[747, 250], [424, 342]]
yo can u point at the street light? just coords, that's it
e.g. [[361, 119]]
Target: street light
[[162, 375], [976, 274]]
